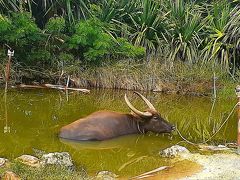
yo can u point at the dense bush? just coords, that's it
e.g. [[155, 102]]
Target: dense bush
[[95, 31], [54, 45], [22, 34], [4, 27], [93, 44]]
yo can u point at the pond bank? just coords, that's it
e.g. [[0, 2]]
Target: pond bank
[[222, 164], [216, 166], [180, 78], [185, 166], [48, 166]]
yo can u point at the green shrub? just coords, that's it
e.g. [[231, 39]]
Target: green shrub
[[126, 49], [4, 27], [38, 56], [24, 31], [55, 25], [93, 44], [22, 34], [90, 41], [65, 57]]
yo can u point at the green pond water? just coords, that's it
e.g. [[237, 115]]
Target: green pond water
[[30, 121]]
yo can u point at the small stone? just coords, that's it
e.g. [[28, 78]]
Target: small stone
[[158, 88], [106, 175], [173, 151], [29, 160], [63, 159], [221, 146], [3, 162], [9, 175]]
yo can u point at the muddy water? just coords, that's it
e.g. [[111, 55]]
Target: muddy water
[[30, 120]]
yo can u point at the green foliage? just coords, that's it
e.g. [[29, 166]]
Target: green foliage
[[66, 58], [222, 36], [147, 25], [48, 172], [92, 31], [55, 30], [93, 44], [55, 25], [38, 55], [90, 41], [183, 34], [24, 31], [22, 34], [218, 17], [72, 9], [126, 49], [141, 22], [4, 27]]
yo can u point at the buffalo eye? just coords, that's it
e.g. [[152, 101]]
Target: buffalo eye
[[155, 118]]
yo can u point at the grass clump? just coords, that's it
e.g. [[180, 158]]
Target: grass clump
[[49, 172], [155, 76]]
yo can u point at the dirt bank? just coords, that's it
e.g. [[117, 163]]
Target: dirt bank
[[216, 166], [224, 163], [158, 77]]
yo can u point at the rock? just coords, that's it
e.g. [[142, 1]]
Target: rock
[[3, 162], [106, 175], [63, 159], [29, 160], [174, 151], [158, 88], [9, 175]]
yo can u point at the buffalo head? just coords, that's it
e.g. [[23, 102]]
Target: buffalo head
[[149, 120]]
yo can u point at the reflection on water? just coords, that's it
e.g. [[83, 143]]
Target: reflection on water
[[33, 118]]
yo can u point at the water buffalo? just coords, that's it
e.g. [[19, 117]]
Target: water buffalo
[[102, 125]]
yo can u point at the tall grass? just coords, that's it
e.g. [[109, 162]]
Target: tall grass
[[153, 76], [50, 172], [184, 33]]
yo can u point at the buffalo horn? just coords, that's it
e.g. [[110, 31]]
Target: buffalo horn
[[145, 100], [143, 114]]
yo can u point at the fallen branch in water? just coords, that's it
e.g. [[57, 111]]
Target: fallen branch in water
[[66, 88], [131, 162], [52, 86], [30, 86], [150, 173]]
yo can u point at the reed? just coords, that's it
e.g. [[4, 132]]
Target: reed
[[154, 76], [160, 75]]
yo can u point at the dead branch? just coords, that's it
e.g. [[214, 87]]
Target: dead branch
[[147, 174], [52, 86]]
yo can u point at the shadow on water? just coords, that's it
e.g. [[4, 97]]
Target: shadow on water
[[117, 143], [34, 118]]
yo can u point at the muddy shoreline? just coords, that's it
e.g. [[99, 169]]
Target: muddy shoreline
[[194, 89], [156, 77], [185, 166]]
